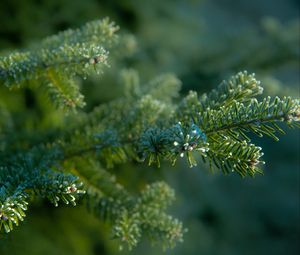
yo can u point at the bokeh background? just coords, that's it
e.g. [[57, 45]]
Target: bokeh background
[[202, 42]]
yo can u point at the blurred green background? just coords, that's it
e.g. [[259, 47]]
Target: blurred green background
[[203, 42]]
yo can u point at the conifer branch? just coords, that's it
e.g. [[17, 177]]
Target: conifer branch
[[145, 125], [131, 216], [55, 62], [23, 177], [255, 117]]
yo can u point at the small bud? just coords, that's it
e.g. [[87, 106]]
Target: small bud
[[71, 189], [3, 217]]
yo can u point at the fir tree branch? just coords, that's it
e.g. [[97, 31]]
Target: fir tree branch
[[131, 217], [58, 59], [144, 125], [255, 117], [25, 176]]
